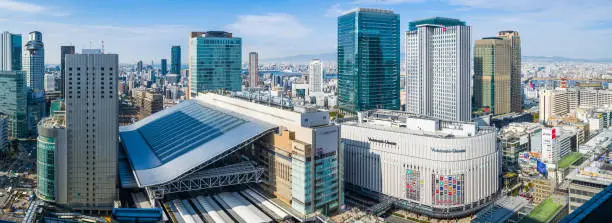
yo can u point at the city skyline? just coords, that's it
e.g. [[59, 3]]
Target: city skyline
[[128, 32]]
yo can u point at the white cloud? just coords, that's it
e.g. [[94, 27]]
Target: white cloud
[[13, 6], [335, 11], [384, 2], [278, 34], [276, 25], [16, 6]]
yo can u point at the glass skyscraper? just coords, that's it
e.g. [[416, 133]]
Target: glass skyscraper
[[164, 67], [10, 51], [368, 60], [14, 103], [216, 60], [175, 60]]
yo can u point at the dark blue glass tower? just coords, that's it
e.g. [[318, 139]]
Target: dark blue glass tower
[[368, 60], [164, 67], [175, 60]]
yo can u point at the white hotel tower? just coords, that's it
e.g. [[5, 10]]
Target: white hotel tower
[[438, 52], [442, 169]]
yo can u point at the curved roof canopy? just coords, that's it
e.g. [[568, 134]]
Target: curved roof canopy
[[170, 143]]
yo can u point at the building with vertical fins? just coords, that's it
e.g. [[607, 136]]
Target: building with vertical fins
[[215, 62], [516, 97], [253, 69], [164, 67], [315, 76], [492, 75], [91, 130], [52, 154], [438, 72], [34, 68], [368, 60], [10, 51], [64, 50], [175, 60]]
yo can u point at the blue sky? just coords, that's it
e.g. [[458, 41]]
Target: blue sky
[[146, 29]]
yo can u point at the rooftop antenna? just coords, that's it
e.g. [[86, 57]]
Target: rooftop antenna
[[102, 46], [90, 44]]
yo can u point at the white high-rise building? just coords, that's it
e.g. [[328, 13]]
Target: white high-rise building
[[10, 51], [556, 144], [438, 80], [92, 130], [253, 69], [34, 62], [49, 82], [315, 76]]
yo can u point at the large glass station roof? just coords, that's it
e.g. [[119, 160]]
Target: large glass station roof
[[169, 143]]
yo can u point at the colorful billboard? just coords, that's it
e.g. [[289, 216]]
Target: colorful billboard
[[448, 189], [413, 184]]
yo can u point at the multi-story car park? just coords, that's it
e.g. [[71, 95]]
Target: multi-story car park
[[442, 169]]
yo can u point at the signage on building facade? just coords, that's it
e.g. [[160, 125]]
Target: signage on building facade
[[447, 150], [382, 141]]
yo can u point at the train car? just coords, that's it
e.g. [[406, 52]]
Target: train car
[[261, 200]]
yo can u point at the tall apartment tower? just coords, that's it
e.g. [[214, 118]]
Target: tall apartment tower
[[438, 73], [215, 62], [368, 60], [92, 130], [164, 67], [34, 62], [315, 76], [253, 69], [175, 60], [64, 51], [516, 97], [492, 75], [10, 51]]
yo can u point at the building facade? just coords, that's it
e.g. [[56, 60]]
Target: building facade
[[151, 103], [92, 130], [556, 144], [315, 76], [14, 103], [438, 72], [10, 51], [253, 69], [368, 60], [175, 60], [516, 97], [164, 67], [34, 62], [64, 51], [216, 60], [52, 157], [443, 169], [303, 161], [492, 75], [4, 139]]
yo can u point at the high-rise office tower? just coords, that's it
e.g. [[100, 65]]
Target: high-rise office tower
[[315, 76], [216, 60], [164, 67], [253, 69], [139, 67], [438, 73], [64, 50], [4, 141], [34, 68], [34, 62], [368, 60], [516, 98], [175, 60], [14, 102], [92, 130], [10, 51], [492, 75]]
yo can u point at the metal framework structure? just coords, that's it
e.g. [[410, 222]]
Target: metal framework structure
[[240, 173]]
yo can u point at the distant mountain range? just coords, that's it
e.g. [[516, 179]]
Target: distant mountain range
[[332, 57]]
